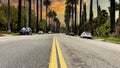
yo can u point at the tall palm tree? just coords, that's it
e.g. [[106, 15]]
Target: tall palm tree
[[119, 9], [84, 16], [75, 2], [41, 10], [74, 9], [29, 13], [9, 28], [34, 1], [37, 10], [98, 13], [19, 15], [51, 14], [91, 16], [80, 17], [112, 16], [47, 3], [24, 13], [72, 17], [67, 16]]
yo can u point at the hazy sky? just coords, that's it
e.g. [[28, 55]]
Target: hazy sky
[[103, 3]]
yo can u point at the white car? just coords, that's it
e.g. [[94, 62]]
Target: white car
[[86, 35], [40, 32], [26, 31], [49, 32]]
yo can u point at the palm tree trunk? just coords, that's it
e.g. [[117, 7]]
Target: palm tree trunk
[[49, 20], [24, 13], [112, 16], [84, 16], [98, 18], [35, 9], [37, 16], [72, 18], [41, 11], [91, 16], [80, 17], [46, 19], [75, 18], [29, 13], [119, 10], [19, 15], [9, 28]]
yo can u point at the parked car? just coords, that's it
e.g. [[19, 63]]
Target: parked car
[[50, 32], [40, 32], [70, 33], [26, 31], [86, 35]]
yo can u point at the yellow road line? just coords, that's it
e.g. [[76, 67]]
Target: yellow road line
[[61, 58], [53, 57]]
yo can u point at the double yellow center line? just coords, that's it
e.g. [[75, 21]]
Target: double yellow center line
[[56, 58]]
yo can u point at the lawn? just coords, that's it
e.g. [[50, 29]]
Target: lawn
[[110, 39], [2, 33]]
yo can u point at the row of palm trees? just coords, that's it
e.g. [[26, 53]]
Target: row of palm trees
[[39, 3], [71, 10]]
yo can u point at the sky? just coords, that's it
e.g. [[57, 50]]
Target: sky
[[59, 7]]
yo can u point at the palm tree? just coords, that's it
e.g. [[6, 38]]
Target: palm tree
[[74, 9], [98, 13], [41, 11], [76, 2], [51, 14], [56, 25], [34, 1], [9, 28], [84, 16], [80, 17], [29, 13], [68, 16], [24, 13], [47, 3], [19, 15], [37, 10], [91, 16], [112, 16]]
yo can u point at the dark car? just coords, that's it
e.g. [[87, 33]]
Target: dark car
[[26, 31], [70, 33]]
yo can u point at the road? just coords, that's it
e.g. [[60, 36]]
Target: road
[[84, 53], [35, 52], [25, 51]]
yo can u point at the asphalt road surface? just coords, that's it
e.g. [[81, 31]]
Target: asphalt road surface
[[25, 51], [84, 53], [34, 52]]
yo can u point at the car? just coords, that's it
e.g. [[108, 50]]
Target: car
[[86, 35], [29, 31], [40, 32], [50, 32], [26, 31], [70, 33], [67, 33]]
